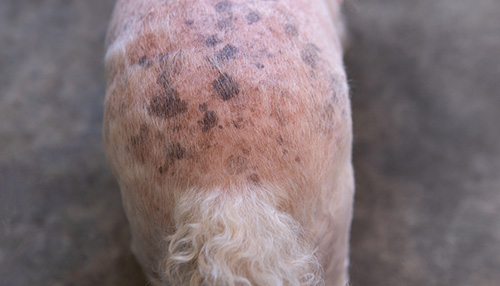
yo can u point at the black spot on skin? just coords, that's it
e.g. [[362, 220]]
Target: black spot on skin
[[297, 159], [252, 17], [167, 104], [175, 151], [145, 62], [259, 66], [138, 143], [221, 127], [228, 52], [236, 164], [223, 6], [209, 121], [226, 86], [310, 55], [189, 22], [203, 107], [291, 30], [254, 179], [141, 138], [222, 24], [212, 41]]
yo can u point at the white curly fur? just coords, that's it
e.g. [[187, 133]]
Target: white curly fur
[[238, 238]]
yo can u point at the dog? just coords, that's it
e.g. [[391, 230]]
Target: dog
[[228, 126]]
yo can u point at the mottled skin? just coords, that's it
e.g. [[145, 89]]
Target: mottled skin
[[205, 94]]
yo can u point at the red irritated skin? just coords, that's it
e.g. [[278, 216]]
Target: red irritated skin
[[245, 102]]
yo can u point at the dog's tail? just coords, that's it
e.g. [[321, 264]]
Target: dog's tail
[[237, 238]]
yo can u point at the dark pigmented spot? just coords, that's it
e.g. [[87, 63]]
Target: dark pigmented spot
[[223, 6], [203, 107], [208, 121], [212, 41], [141, 138], [254, 179], [138, 144], [145, 62], [167, 104], [253, 17], [226, 86], [259, 66], [175, 151], [228, 52], [189, 22], [236, 164], [310, 55], [291, 30]]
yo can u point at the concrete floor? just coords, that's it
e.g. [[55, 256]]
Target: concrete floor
[[425, 82]]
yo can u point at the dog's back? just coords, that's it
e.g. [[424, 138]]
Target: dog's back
[[228, 127]]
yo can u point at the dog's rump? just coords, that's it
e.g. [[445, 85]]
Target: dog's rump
[[217, 110]]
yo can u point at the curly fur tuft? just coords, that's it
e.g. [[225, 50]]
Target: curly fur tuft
[[237, 239]]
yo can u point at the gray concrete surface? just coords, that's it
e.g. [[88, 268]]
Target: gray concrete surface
[[425, 81]]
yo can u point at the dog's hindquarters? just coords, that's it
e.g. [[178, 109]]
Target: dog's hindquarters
[[217, 104]]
